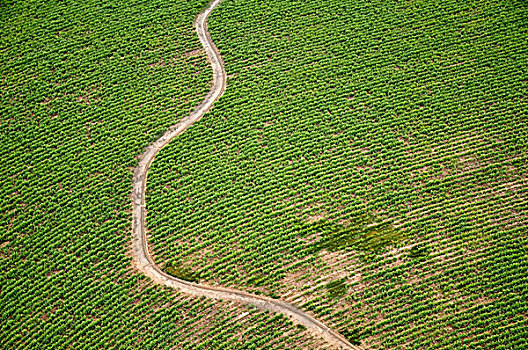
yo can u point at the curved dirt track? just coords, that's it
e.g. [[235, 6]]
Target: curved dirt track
[[140, 251]]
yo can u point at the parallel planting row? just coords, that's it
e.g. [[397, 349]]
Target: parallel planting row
[[84, 87], [366, 163]]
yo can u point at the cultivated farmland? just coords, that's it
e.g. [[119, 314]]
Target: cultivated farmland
[[85, 86], [366, 163]]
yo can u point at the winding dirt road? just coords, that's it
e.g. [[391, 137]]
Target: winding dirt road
[[142, 258]]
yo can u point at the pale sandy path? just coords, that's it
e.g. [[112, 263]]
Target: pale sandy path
[[142, 258]]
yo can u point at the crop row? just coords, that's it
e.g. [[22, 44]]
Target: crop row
[[409, 115], [85, 87]]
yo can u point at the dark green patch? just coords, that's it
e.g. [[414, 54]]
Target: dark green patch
[[337, 288], [352, 336], [273, 295], [257, 280], [362, 233], [417, 252], [301, 327], [178, 270], [461, 224]]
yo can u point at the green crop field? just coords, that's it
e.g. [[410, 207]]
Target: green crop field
[[367, 163], [85, 86]]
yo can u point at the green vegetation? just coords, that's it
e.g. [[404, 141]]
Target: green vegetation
[[177, 269], [412, 112], [418, 252], [337, 288], [85, 85], [361, 233], [353, 336]]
